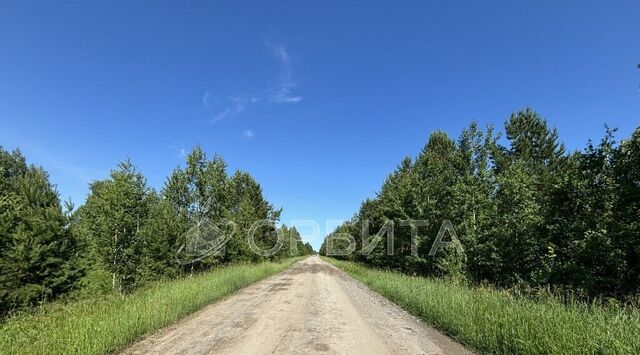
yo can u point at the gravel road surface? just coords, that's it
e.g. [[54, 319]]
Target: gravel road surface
[[312, 307]]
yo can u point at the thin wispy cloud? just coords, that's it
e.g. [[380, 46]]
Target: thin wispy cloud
[[181, 152], [280, 52], [221, 116], [235, 105], [205, 99], [248, 134], [281, 93], [283, 96]]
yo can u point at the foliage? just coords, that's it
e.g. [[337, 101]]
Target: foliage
[[126, 235], [38, 255], [527, 214], [114, 217]]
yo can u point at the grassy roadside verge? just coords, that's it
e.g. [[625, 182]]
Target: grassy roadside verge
[[109, 324], [492, 322]]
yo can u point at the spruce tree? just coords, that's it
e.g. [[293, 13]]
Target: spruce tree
[[38, 253]]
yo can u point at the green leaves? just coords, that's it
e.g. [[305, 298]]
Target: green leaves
[[525, 213], [114, 215], [125, 234]]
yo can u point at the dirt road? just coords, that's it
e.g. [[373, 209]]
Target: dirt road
[[312, 307]]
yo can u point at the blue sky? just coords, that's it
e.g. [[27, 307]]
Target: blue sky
[[319, 100]]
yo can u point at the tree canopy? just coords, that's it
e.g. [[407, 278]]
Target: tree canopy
[[525, 214], [127, 234]]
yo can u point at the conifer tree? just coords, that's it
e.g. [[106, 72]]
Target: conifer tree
[[38, 254], [161, 239]]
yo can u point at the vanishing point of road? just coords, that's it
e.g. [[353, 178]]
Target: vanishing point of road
[[312, 307]]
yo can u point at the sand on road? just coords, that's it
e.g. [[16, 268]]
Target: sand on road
[[312, 307]]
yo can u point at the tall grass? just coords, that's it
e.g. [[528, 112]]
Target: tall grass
[[110, 323], [491, 321]]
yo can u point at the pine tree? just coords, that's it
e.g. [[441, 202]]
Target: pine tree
[[38, 254], [250, 207], [532, 141], [536, 149], [396, 202], [161, 239]]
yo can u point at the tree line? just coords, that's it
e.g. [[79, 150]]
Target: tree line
[[526, 213], [126, 234]]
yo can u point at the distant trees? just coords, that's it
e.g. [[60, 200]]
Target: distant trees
[[526, 213], [293, 244], [126, 234]]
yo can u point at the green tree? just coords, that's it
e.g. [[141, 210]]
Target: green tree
[[627, 219], [531, 142], [594, 252], [115, 214], [38, 254], [200, 193], [436, 176], [248, 208], [474, 210], [161, 239], [537, 152], [519, 218], [525, 213]]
